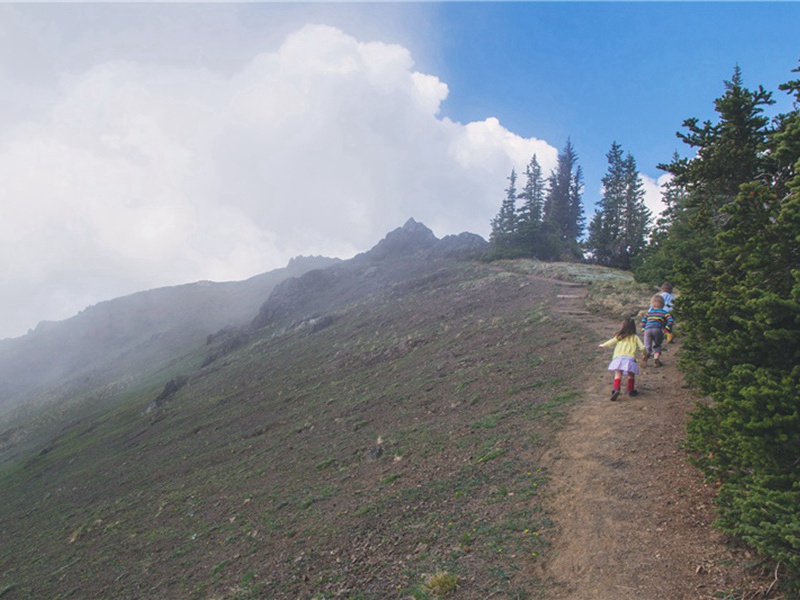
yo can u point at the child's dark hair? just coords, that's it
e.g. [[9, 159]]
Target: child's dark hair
[[628, 329], [666, 287]]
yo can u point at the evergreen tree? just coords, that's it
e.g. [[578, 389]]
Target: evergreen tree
[[636, 215], [605, 229], [530, 212], [658, 258], [504, 237], [727, 154], [619, 228], [533, 193], [563, 210], [576, 221], [735, 242]]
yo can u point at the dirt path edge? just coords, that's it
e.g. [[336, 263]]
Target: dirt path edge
[[633, 517]]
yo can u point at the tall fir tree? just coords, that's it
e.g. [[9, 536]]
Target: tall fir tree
[[618, 231], [605, 230], [576, 222], [744, 328], [636, 216], [658, 258], [504, 237], [563, 209], [533, 193], [727, 154], [530, 211], [734, 244]]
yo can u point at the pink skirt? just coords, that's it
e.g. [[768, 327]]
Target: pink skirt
[[625, 364]]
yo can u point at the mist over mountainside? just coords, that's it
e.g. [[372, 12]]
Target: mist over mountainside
[[128, 335], [312, 460], [397, 257], [380, 420], [109, 343]]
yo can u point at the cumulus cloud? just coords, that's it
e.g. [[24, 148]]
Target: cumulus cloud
[[653, 189], [143, 175]]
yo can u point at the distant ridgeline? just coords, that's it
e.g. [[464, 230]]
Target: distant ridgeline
[[140, 333]]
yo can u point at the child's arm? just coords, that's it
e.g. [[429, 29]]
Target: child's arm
[[608, 343]]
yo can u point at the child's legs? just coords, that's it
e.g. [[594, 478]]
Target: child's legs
[[631, 382], [658, 339], [653, 338], [617, 379]]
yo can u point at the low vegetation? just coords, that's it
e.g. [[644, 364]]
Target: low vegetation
[[392, 454]]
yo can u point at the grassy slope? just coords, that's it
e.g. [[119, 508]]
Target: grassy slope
[[399, 441]]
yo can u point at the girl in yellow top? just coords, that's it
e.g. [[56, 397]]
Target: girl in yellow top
[[626, 343]]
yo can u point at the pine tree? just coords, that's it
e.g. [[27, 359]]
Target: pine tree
[[636, 215], [658, 258], [563, 209], [619, 228], [530, 212], [727, 154], [735, 243], [504, 237], [532, 194], [576, 221], [605, 229]]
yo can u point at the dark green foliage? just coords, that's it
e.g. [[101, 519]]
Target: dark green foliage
[[549, 221], [727, 154], [656, 263], [730, 239], [505, 232], [532, 195], [536, 237], [562, 205], [619, 228]]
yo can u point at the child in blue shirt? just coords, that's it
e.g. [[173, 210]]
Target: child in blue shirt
[[666, 293], [655, 324]]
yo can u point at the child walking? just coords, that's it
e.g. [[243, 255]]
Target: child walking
[[655, 324], [626, 344], [666, 293]]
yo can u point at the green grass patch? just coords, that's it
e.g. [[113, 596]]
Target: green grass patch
[[491, 455]]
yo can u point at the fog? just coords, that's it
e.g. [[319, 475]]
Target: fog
[[126, 170]]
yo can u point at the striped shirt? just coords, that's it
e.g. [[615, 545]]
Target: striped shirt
[[657, 318]]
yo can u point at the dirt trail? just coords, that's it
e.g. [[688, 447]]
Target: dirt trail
[[633, 517]]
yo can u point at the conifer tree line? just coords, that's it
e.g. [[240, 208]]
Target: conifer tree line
[[545, 218], [730, 240]]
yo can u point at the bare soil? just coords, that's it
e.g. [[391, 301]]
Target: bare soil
[[407, 437], [634, 518]]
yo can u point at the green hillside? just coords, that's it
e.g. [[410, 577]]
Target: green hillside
[[395, 439]]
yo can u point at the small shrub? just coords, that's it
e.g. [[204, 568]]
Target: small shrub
[[441, 583]]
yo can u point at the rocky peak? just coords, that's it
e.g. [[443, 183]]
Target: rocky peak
[[412, 238]]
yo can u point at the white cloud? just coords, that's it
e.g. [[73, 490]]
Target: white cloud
[[143, 175], [653, 189]]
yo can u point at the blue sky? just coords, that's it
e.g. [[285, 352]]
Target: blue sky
[[600, 71], [153, 144]]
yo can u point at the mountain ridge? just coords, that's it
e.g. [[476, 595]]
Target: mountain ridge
[[109, 343], [148, 327], [369, 450]]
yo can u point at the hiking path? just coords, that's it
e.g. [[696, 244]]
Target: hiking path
[[633, 516]]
